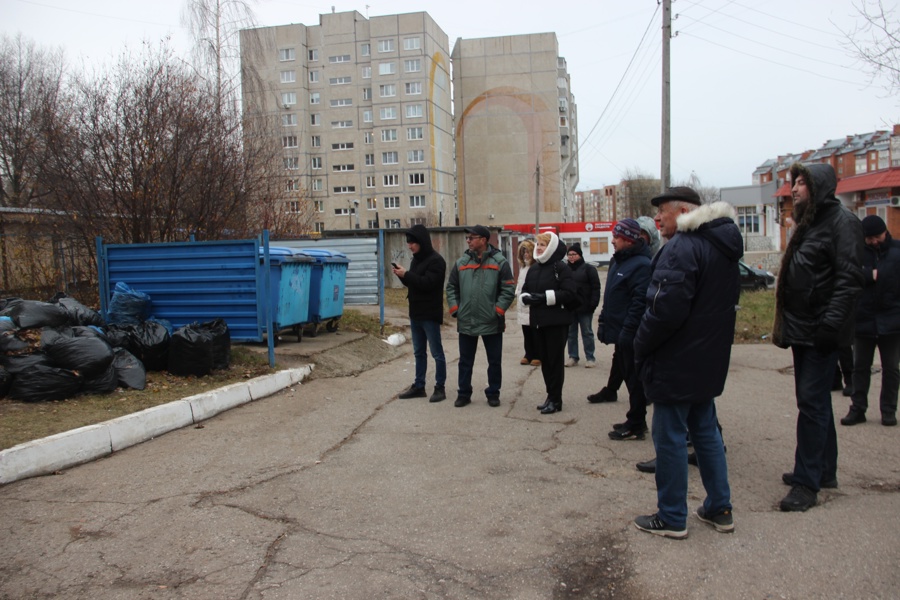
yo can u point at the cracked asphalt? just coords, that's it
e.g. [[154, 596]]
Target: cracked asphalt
[[337, 489]]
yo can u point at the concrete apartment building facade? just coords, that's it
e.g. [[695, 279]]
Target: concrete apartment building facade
[[363, 110], [516, 130]]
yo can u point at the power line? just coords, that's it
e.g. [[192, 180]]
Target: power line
[[90, 14]]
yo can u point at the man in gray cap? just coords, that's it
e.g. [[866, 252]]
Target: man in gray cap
[[682, 351], [480, 289], [877, 324]]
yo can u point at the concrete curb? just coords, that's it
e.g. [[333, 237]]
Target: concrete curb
[[70, 448]]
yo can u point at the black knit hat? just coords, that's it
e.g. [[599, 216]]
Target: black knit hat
[[682, 193], [873, 225], [576, 248]]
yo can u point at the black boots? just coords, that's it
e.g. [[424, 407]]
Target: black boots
[[552, 407], [546, 403], [854, 417]]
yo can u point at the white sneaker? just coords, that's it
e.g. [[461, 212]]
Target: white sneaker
[[590, 364], [571, 362]]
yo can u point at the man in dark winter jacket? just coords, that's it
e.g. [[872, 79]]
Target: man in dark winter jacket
[[623, 305], [424, 282], [877, 324], [815, 302], [682, 350], [588, 281]]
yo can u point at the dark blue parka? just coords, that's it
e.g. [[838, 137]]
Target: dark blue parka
[[878, 311], [683, 345], [625, 297]]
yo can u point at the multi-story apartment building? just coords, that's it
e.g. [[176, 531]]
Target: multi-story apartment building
[[363, 111], [516, 130], [591, 205]]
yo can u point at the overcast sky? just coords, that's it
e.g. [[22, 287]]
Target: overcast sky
[[751, 79]]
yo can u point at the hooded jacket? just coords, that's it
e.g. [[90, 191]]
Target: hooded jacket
[[550, 276], [424, 280], [878, 311], [480, 291], [821, 275], [587, 280], [683, 344], [625, 297]]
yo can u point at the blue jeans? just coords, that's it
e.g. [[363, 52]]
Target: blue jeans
[[671, 424], [815, 459], [493, 347], [430, 332], [583, 322]]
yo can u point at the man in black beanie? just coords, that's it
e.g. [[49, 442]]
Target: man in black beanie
[[588, 281], [424, 281], [877, 324]]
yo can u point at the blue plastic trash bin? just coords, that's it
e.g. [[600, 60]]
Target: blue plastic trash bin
[[290, 276], [326, 290]]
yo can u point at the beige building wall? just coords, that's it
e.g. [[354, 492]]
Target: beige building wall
[[362, 110], [507, 97]]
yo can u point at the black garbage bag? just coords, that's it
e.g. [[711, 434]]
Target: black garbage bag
[[7, 302], [9, 340], [87, 353], [78, 313], [122, 336], [128, 306], [221, 342], [151, 340], [24, 362], [41, 383], [31, 313], [104, 383], [130, 371], [191, 351], [5, 381]]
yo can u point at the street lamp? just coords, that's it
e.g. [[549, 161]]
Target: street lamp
[[537, 188]]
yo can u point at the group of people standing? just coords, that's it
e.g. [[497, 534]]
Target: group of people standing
[[670, 313]]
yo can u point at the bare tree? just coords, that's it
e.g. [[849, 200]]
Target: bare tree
[[875, 42], [708, 193], [637, 189]]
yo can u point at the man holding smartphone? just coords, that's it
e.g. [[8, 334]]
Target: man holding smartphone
[[424, 281]]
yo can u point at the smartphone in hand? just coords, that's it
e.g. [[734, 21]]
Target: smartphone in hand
[[395, 265]]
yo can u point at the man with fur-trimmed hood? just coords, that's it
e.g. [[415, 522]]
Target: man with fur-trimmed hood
[[682, 350], [815, 299]]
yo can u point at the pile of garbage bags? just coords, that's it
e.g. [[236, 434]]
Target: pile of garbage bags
[[58, 349]]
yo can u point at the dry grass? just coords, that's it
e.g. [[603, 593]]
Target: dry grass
[[754, 319]]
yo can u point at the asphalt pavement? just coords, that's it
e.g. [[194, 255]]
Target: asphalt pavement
[[334, 488]]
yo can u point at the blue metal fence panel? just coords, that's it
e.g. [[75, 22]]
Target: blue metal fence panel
[[191, 281]]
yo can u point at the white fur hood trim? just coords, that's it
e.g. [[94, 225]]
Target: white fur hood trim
[[704, 214]]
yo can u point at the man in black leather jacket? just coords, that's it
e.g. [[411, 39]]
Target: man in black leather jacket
[[815, 300]]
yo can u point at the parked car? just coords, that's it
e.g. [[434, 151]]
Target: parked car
[[755, 279]]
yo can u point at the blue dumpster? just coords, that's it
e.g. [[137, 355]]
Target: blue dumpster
[[326, 291], [290, 275]]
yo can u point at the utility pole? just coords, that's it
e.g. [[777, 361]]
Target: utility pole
[[537, 194], [666, 146]]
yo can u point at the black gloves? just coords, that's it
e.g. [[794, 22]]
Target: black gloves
[[825, 339], [626, 339], [534, 299]]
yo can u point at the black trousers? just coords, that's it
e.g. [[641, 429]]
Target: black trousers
[[551, 343]]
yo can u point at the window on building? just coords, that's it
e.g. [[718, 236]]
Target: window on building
[[288, 98], [370, 160], [370, 181], [367, 93], [340, 58], [386, 45], [342, 146], [389, 158], [315, 141], [365, 49], [319, 227], [289, 120], [414, 133], [315, 98], [313, 55], [417, 201], [316, 162], [293, 206], [412, 43], [417, 221], [342, 168], [391, 202], [292, 163], [415, 156], [388, 112], [318, 185], [387, 68], [412, 65], [338, 102], [345, 80], [387, 90], [367, 72], [388, 135], [319, 205], [286, 54], [342, 124], [371, 204], [344, 189], [372, 224], [314, 77], [413, 111], [748, 219], [289, 76], [392, 223], [417, 179], [367, 115], [369, 137], [289, 141], [315, 119], [391, 180], [413, 88], [291, 185]]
